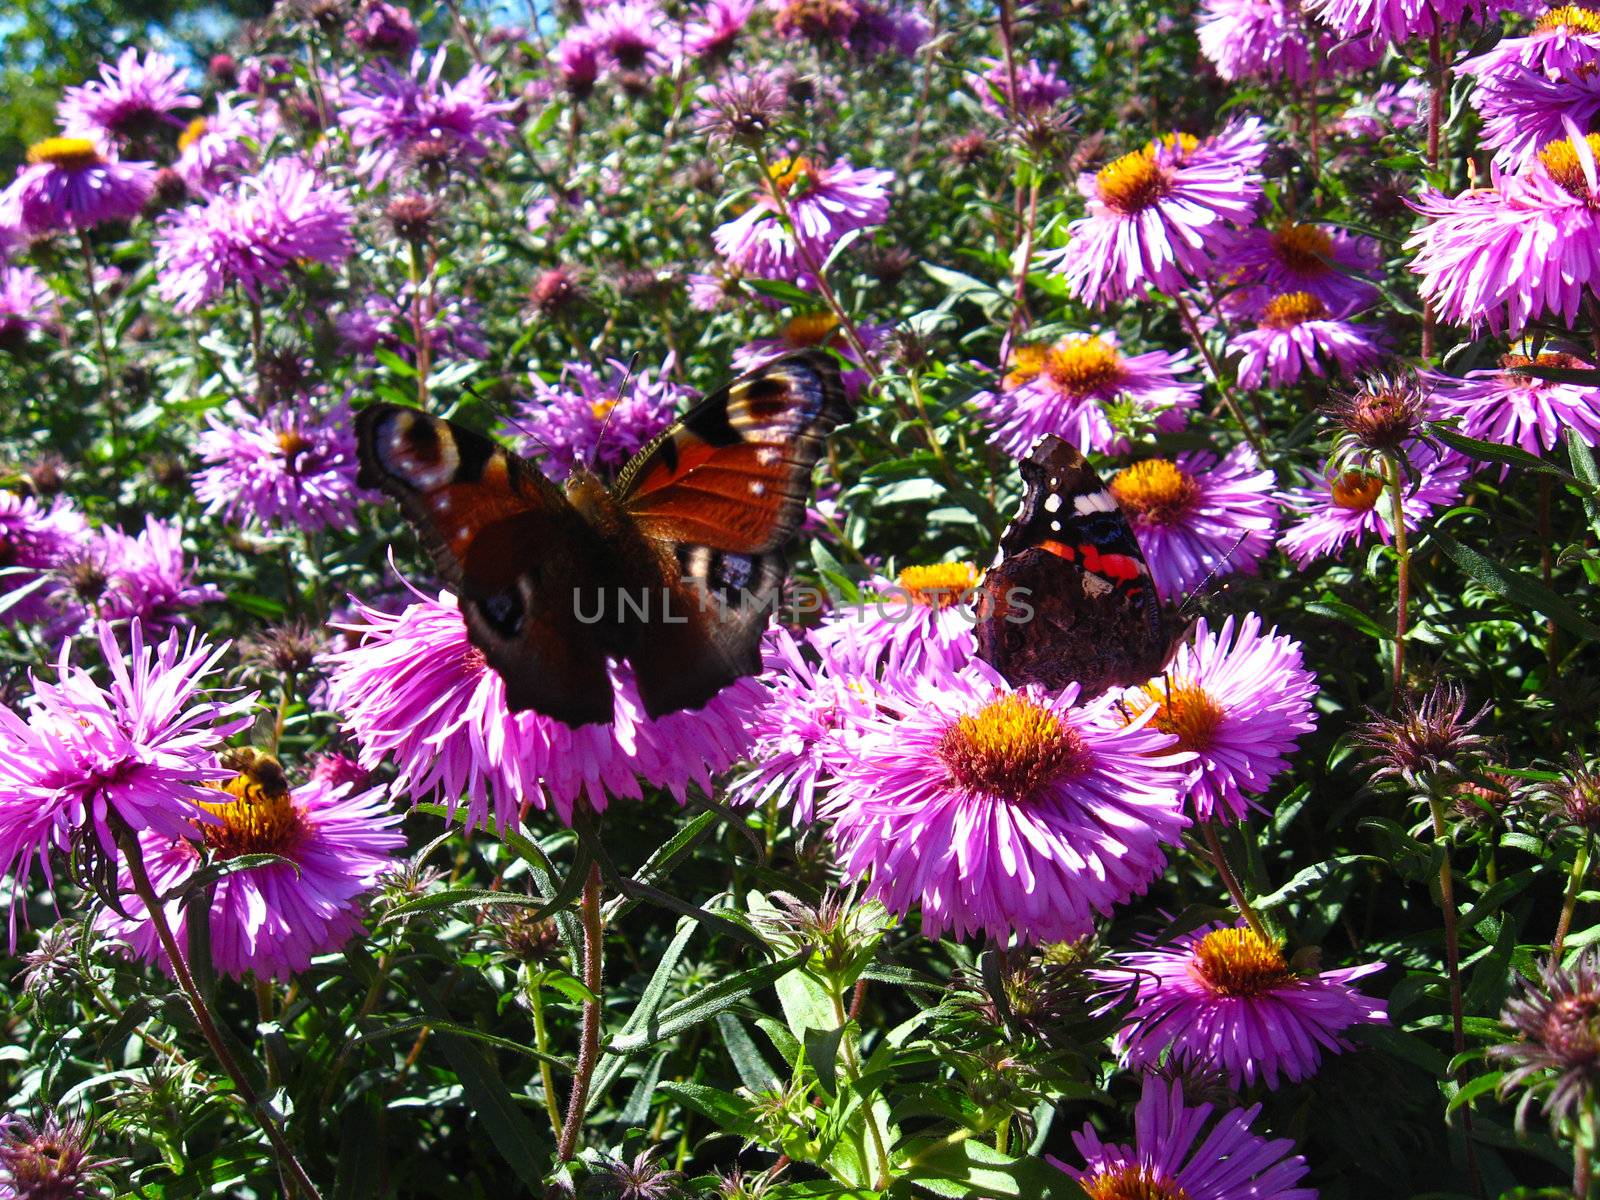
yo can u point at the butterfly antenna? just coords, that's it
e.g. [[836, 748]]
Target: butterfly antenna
[[1211, 576], [622, 394], [509, 417]]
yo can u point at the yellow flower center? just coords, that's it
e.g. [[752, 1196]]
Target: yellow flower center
[[1026, 364], [1303, 248], [1182, 144], [1133, 183], [939, 585], [1238, 962], [602, 408], [787, 172], [1357, 490], [1563, 164], [1186, 711], [1569, 16], [1292, 308], [192, 133], [1156, 490], [74, 153], [1080, 366], [1131, 1182], [1010, 748], [810, 329], [260, 818], [292, 443]]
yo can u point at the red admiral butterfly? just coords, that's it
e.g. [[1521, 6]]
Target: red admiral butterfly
[[1071, 599], [674, 568]]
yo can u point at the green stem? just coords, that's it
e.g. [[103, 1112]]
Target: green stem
[[1394, 477], [1569, 902], [589, 1045], [108, 380], [853, 1069], [420, 323], [541, 1042], [1231, 882], [1193, 326]]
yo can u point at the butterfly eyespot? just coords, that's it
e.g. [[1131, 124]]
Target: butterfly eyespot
[[504, 611]]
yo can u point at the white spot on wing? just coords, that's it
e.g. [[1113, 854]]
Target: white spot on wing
[[1052, 502], [1055, 526], [1094, 502]]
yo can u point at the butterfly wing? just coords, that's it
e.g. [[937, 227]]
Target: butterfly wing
[[510, 545], [717, 496], [1071, 599]]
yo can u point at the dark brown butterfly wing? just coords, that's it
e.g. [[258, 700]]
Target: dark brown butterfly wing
[[520, 557], [1071, 599], [718, 495]]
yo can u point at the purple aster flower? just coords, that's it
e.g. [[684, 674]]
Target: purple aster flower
[[577, 61], [144, 577], [1224, 998], [1351, 506], [129, 102], [48, 1160], [817, 20], [1515, 409], [921, 620], [381, 28], [883, 29], [1240, 699], [1270, 39], [1396, 20], [69, 184], [805, 330], [293, 466], [713, 27], [1565, 41], [1157, 216], [1330, 264], [1296, 333], [392, 110], [1392, 107], [252, 234], [562, 425], [26, 305], [135, 754], [1525, 110], [1169, 1158], [453, 327], [1039, 89], [34, 540], [269, 921], [1196, 517], [825, 203], [416, 691], [998, 811], [218, 149], [1075, 387], [1527, 246], [802, 737]]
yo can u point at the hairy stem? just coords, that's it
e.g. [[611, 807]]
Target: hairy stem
[[541, 1043], [589, 1045], [1231, 882], [108, 382], [1393, 475], [1228, 398], [421, 322]]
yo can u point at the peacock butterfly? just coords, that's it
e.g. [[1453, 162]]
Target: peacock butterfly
[[1070, 599], [674, 568]]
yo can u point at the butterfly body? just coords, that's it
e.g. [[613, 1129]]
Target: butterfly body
[[674, 568], [1070, 599]]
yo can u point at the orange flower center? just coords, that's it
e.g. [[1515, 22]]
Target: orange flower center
[[602, 408], [939, 585], [1010, 748], [810, 329], [1357, 490], [1156, 490], [1131, 1182], [73, 153], [1564, 165], [1303, 248], [1133, 183], [1027, 362], [1238, 962], [786, 173], [1569, 16], [192, 133], [1292, 308], [1186, 711], [261, 818], [1081, 366]]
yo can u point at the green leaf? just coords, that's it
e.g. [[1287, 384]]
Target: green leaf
[[1584, 376], [754, 1071], [212, 872], [1521, 589], [1513, 456], [394, 362], [971, 1168], [413, 1024], [777, 289], [660, 864], [706, 1003], [1352, 616], [822, 1054], [470, 898], [1311, 878]]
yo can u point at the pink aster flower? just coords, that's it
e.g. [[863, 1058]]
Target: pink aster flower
[[1169, 1157], [1565, 41], [453, 328], [88, 759], [1239, 699], [27, 305], [129, 102], [268, 921], [1348, 508], [415, 691], [145, 577], [997, 811], [1396, 20], [1156, 216], [1525, 110], [218, 149], [381, 28], [1391, 108], [68, 184], [391, 110], [1272, 39], [34, 540], [252, 234], [1514, 409], [885, 29], [1295, 333], [1085, 390], [1038, 89], [583, 421], [1196, 517], [292, 466], [1527, 246], [1226, 999], [825, 203], [577, 61], [921, 620], [1329, 263], [713, 28]]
